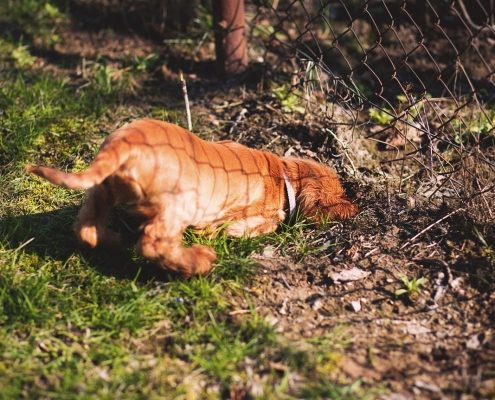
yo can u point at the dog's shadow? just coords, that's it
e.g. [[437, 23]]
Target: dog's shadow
[[50, 235]]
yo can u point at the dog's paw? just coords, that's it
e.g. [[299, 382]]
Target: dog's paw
[[87, 235], [172, 255], [91, 236]]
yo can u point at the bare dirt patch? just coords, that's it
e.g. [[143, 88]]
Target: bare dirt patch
[[438, 343]]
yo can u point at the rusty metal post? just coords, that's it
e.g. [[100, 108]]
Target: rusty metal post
[[230, 36]]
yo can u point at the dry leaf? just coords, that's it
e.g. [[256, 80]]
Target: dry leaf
[[352, 274]]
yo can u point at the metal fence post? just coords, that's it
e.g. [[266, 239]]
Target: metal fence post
[[230, 36]]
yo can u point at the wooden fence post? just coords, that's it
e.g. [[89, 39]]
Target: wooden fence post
[[230, 36]]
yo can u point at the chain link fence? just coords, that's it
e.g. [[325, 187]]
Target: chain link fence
[[414, 78]]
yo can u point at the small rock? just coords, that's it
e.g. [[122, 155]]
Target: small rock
[[439, 293], [43, 347], [271, 320], [283, 308], [396, 396], [102, 373], [415, 328], [256, 390], [317, 304], [268, 252], [456, 285], [427, 386], [473, 342], [356, 305], [314, 300]]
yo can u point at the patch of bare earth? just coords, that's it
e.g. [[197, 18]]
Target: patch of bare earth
[[439, 343]]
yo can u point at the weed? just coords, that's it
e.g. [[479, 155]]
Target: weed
[[263, 31], [364, 90], [329, 390], [487, 251], [22, 58], [31, 104], [411, 287], [411, 107], [111, 80], [204, 19], [289, 99], [320, 357], [474, 128], [145, 63], [381, 116]]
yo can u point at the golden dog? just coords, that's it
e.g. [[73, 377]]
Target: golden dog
[[175, 180]]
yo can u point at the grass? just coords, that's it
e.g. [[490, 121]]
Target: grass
[[78, 324], [69, 326]]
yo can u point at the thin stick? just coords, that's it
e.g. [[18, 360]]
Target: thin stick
[[186, 100], [24, 244], [237, 120], [244, 311], [429, 227]]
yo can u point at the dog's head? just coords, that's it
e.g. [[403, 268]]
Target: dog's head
[[319, 193]]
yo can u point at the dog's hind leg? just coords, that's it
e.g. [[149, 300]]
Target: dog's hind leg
[[91, 224], [164, 245]]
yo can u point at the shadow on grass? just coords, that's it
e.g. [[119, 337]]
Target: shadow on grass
[[49, 234]]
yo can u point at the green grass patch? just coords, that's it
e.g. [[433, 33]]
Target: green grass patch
[[38, 111]]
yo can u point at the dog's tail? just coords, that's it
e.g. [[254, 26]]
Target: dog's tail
[[106, 163]]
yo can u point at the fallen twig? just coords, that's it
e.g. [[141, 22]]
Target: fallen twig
[[410, 241], [240, 116], [22, 245], [243, 311], [186, 101], [228, 105]]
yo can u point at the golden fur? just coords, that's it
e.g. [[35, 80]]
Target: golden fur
[[176, 180]]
